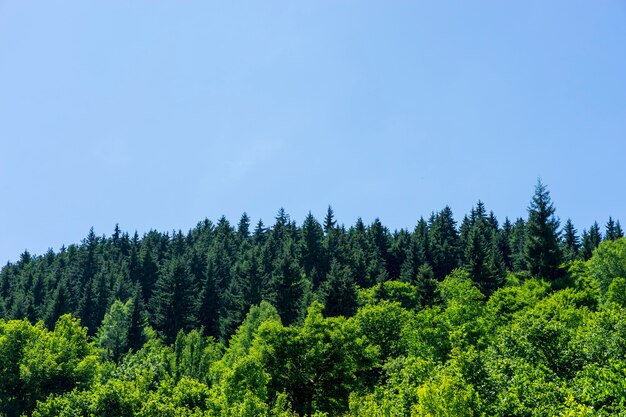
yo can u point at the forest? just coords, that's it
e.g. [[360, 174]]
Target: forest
[[483, 317]]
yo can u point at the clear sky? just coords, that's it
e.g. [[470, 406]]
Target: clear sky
[[157, 114]]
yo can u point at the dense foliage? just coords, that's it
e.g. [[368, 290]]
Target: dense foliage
[[521, 319]]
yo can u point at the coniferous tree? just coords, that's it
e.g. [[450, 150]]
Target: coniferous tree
[[380, 241], [464, 230], [173, 302], [58, 305], [311, 250], [329, 220], [611, 232], [619, 233], [571, 242], [504, 244], [518, 245], [591, 240], [481, 257], [149, 268], [260, 233], [543, 254], [425, 286], [444, 243], [338, 292], [243, 227], [398, 253], [289, 288], [138, 320], [209, 305]]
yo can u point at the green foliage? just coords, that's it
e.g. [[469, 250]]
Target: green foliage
[[444, 321], [608, 262], [394, 291], [616, 293], [36, 362]]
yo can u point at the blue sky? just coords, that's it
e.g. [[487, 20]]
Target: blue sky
[[159, 114]]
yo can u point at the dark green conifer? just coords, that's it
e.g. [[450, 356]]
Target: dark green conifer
[[610, 230], [338, 292], [591, 240], [543, 254], [311, 250], [444, 243], [289, 287], [571, 242], [173, 304]]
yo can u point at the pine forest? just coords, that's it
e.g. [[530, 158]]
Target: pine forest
[[477, 317]]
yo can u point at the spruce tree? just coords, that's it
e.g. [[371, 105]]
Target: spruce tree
[[571, 242], [482, 259], [504, 244], [425, 286], [136, 336], [329, 220], [173, 301], [542, 251], [444, 243], [611, 232], [591, 240], [311, 250], [517, 243], [338, 293], [289, 288], [243, 227], [208, 306], [398, 253]]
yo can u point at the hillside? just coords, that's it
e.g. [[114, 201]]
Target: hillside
[[514, 319]]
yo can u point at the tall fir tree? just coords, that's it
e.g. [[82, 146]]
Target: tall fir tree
[[173, 302], [481, 257], [289, 287], [338, 293], [542, 251], [517, 243], [504, 244], [311, 250], [444, 244], [611, 232], [571, 242], [591, 240], [329, 220], [136, 336]]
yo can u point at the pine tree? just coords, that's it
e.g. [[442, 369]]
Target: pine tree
[[338, 292], [243, 227], [260, 233], [571, 242], [517, 243], [618, 231], [425, 286], [543, 254], [481, 257], [173, 301], [610, 230], [58, 305], [504, 244], [289, 288], [329, 220], [444, 243], [311, 250], [209, 306], [398, 253], [591, 240], [136, 336]]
